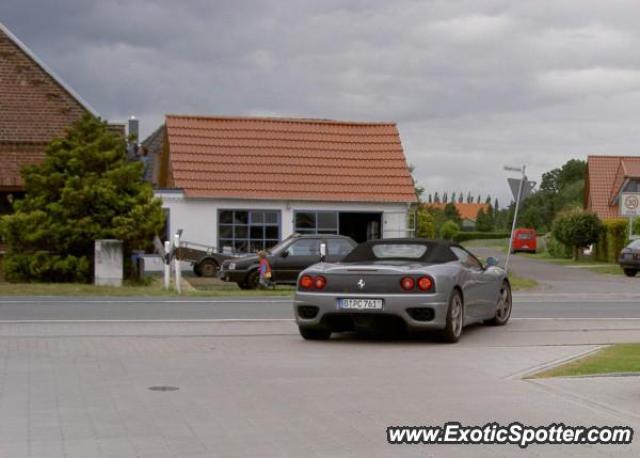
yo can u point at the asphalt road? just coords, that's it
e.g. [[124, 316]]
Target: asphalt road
[[73, 308]]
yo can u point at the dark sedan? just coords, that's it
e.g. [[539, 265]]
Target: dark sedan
[[629, 258], [287, 259]]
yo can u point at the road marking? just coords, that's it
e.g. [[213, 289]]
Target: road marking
[[195, 320], [147, 301], [574, 318], [264, 320]]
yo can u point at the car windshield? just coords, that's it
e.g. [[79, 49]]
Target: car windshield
[[635, 245], [280, 245], [399, 251]]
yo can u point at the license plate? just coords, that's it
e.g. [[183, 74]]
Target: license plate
[[360, 304]]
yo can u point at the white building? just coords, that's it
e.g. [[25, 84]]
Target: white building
[[243, 184]]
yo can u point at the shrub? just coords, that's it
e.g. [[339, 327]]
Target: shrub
[[449, 230], [46, 267], [85, 189], [577, 229], [555, 248]]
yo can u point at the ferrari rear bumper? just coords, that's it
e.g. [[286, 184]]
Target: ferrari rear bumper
[[418, 311]]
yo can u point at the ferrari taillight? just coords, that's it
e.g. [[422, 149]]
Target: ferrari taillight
[[306, 282], [309, 282], [425, 283], [319, 282], [407, 283]]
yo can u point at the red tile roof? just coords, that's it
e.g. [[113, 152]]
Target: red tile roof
[[277, 158], [467, 210], [605, 175]]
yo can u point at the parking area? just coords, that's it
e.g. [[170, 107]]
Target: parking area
[[255, 388]]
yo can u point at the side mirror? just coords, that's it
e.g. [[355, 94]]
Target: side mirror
[[323, 252], [284, 254], [491, 261]]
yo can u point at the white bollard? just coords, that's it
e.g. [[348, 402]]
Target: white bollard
[[167, 265], [176, 244]]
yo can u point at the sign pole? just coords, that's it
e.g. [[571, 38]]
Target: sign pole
[[176, 244], [515, 218], [167, 264], [630, 207]]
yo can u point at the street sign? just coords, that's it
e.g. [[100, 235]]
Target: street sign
[[630, 204], [514, 184]]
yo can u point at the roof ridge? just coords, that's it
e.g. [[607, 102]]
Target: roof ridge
[[277, 119]]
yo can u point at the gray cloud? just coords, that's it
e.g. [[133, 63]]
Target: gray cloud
[[472, 85]]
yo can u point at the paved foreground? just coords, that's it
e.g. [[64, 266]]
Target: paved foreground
[[80, 389]]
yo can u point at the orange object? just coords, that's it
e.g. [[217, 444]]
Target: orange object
[[524, 240]]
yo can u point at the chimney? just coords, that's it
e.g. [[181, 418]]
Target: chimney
[[134, 127]]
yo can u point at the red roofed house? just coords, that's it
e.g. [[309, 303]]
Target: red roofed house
[[607, 178], [35, 107], [243, 184], [468, 212]]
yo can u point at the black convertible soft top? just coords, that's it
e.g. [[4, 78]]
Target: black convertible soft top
[[438, 251]]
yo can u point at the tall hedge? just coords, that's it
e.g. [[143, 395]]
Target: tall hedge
[[613, 238]]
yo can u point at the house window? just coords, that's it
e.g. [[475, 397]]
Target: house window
[[247, 231], [316, 222]]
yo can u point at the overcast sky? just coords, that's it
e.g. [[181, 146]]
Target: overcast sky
[[472, 85]]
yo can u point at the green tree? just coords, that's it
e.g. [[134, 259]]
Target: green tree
[[484, 220], [449, 230], [451, 213], [426, 227], [577, 229], [84, 190]]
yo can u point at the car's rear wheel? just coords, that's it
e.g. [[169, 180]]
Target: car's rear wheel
[[455, 318], [503, 307], [630, 272], [314, 333], [243, 285], [252, 280]]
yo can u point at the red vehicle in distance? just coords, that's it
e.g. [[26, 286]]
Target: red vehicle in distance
[[524, 240]]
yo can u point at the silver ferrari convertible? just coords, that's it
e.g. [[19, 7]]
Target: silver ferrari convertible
[[417, 284]]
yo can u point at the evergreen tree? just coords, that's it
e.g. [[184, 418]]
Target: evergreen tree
[[451, 213], [469, 198], [85, 189], [461, 198], [445, 198], [436, 198], [488, 200], [430, 199], [478, 199], [453, 197]]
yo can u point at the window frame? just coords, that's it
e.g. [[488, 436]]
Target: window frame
[[250, 243]]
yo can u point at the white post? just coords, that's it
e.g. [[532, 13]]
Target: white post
[[176, 244], [167, 265], [515, 218]]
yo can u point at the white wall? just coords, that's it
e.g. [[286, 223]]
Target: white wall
[[198, 217]]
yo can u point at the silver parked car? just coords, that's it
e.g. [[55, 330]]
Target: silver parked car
[[421, 284]]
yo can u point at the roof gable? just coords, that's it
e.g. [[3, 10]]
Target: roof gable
[[36, 104], [291, 159], [604, 174]]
